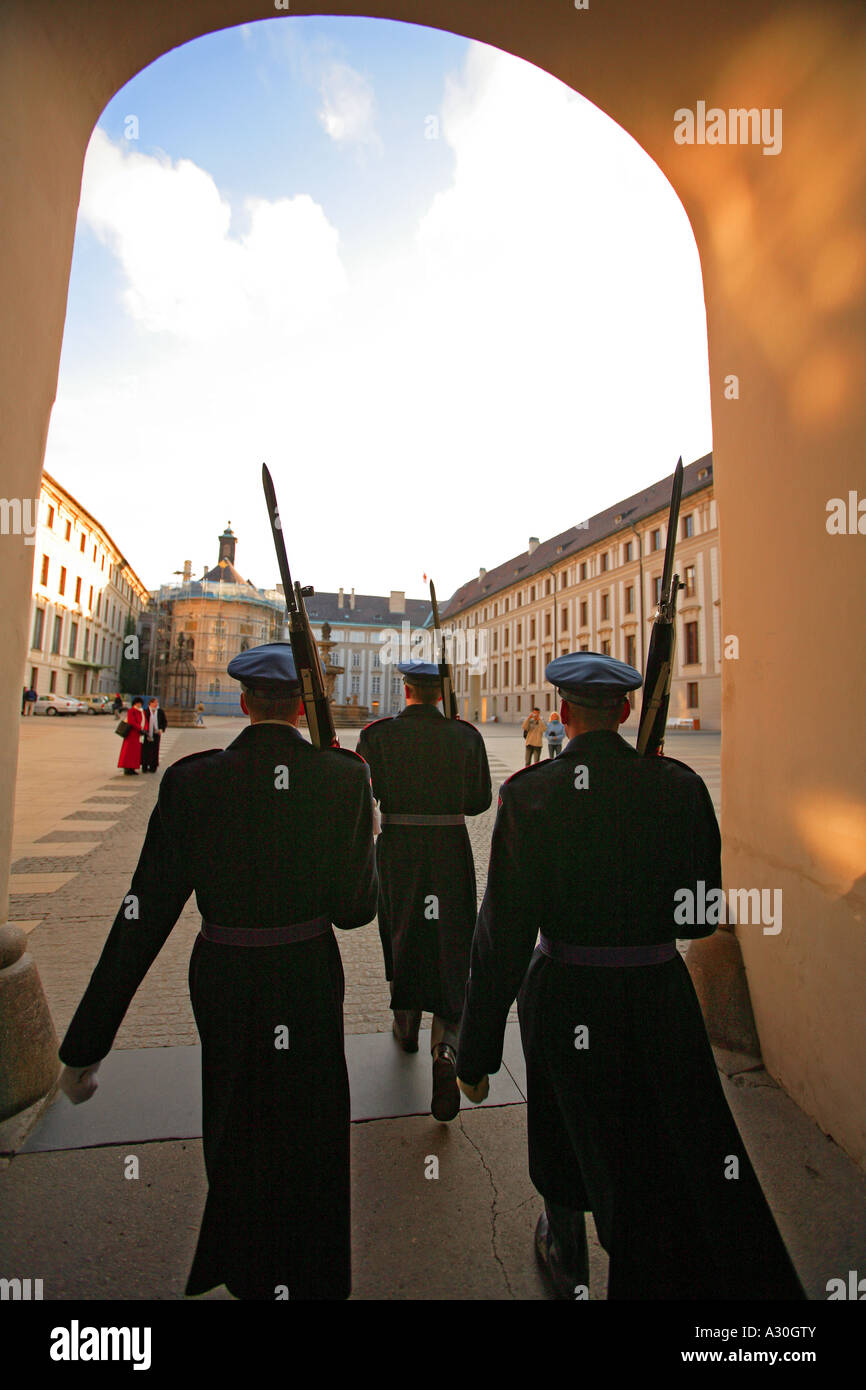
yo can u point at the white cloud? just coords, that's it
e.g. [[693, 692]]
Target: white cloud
[[536, 352], [187, 274], [348, 111]]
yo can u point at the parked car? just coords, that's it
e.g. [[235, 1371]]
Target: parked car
[[57, 704], [96, 704]]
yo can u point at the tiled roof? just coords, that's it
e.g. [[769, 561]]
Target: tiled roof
[[371, 610], [613, 520], [227, 574]]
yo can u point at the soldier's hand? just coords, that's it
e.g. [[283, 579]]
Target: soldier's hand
[[476, 1093], [79, 1083]]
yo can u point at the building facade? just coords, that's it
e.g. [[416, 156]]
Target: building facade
[[360, 626], [222, 614], [595, 587], [86, 598], [216, 617]]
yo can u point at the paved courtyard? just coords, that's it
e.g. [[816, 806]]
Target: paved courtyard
[[78, 831], [79, 826]]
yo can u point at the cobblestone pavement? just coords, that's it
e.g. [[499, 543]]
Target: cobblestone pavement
[[79, 828]]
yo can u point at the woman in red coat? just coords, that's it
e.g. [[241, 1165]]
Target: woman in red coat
[[130, 749]]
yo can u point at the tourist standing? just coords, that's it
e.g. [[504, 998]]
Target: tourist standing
[[130, 749], [155, 723], [554, 733], [533, 733]]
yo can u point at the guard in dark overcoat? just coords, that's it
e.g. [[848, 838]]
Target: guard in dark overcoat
[[626, 1113], [428, 774], [275, 839]]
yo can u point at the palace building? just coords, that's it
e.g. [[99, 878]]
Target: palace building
[[86, 598], [213, 618], [223, 614], [595, 587], [360, 624]]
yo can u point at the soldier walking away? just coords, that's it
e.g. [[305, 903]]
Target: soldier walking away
[[626, 1113], [428, 774], [533, 732], [275, 838]]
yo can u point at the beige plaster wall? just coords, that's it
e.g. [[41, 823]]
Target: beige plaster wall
[[783, 248]]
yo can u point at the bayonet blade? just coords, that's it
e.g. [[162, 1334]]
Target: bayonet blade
[[279, 543], [670, 544]]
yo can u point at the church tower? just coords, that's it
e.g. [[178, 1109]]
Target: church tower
[[227, 542]]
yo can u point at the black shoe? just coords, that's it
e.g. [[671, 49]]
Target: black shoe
[[405, 1028], [446, 1094], [563, 1282]]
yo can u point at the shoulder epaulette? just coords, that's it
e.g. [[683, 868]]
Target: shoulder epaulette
[[347, 753], [384, 719], [674, 762], [192, 757], [533, 767]]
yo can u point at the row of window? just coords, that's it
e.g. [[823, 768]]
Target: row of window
[[52, 681], [691, 657], [67, 536], [122, 584], [587, 569], [549, 702], [583, 612], [72, 651], [112, 611], [336, 659]]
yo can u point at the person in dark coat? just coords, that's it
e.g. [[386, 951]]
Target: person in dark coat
[[155, 724], [275, 838], [428, 774], [130, 749], [626, 1113]]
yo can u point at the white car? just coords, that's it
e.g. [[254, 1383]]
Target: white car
[[57, 704]]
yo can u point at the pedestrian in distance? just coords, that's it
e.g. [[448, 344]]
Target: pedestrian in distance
[[117, 704], [554, 733], [275, 838], [199, 715], [626, 1114], [30, 698], [155, 724], [533, 733], [130, 749], [428, 774]]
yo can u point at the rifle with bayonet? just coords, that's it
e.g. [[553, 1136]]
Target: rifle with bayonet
[[308, 663], [449, 700], [660, 661]]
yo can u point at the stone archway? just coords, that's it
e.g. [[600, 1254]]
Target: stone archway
[[781, 238]]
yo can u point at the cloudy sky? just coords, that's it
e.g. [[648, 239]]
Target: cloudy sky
[[447, 300]]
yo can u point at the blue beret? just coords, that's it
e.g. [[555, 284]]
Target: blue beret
[[269, 668], [419, 672], [588, 678]]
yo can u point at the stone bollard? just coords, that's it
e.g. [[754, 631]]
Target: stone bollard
[[715, 964], [29, 1065]]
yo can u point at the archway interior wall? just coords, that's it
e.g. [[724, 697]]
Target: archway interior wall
[[792, 335]]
